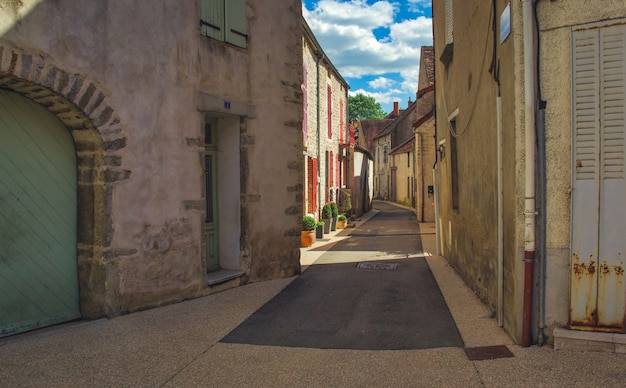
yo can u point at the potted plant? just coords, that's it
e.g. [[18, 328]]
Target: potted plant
[[335, 213], [319, 229], [341, 222], [327, 215], [307, 236]]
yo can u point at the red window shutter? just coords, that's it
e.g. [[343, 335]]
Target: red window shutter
[[330, 169], [329, 109], [310, 185], [341, 130], [314, 180]]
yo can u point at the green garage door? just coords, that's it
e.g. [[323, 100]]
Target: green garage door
[[38, 274]]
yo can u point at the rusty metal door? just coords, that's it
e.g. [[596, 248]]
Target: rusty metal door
[[597, 293]]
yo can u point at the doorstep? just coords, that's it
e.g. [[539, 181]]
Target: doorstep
[[222, 276], [565, 339]]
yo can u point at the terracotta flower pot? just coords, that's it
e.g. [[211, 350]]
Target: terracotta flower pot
[[307, 238]]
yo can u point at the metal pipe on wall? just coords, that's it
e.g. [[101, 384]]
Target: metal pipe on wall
[[530, 211], [500, 214]]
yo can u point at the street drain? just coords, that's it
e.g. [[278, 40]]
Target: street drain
[[370, 265], [487, 352]]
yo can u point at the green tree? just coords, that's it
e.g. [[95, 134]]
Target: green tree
[[361, 107]]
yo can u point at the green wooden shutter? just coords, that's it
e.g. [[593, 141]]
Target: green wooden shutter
[[213, 18], [236, 26]]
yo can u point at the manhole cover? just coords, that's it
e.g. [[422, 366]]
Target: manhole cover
[[370, 265], [487, 352]]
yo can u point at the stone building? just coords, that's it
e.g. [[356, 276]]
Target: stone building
[[151, 153], [424, 128], [530, 112], [325, 128]]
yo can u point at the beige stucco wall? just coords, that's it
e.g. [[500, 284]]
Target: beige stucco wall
[[424, 162], [382, 168], [469, 233], [403, 162], [158, 78]]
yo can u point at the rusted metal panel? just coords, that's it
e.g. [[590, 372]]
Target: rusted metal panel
[[583, 292]]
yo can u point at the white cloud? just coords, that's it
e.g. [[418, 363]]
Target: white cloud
[[345, 30], [381, 83], [418, 6], [352, 34]]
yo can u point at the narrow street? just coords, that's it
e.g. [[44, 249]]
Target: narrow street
[[337, 324]]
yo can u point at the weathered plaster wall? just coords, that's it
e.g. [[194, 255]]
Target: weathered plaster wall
[[152, 68], [403, 162], [469, 233], [424, 162], [275, 169]]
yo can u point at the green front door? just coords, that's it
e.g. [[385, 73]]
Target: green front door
[[210, 184], [38, 267]]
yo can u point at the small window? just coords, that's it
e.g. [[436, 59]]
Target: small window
[[446, 55], [225, 20]]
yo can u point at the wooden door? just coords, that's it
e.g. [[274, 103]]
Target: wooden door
[[38, 210], [210, 184]]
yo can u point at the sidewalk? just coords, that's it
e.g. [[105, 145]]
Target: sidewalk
[[179, 346]]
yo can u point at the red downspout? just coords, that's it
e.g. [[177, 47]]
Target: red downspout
[[529, 270]]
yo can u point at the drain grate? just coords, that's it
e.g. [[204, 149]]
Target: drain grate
[[487, 353], [370, 265]]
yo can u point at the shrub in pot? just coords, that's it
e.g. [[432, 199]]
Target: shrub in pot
[[319, 229], [335, 212], [327, 215], [307, 236], [341, 222]]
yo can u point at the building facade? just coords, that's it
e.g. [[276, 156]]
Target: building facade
[[530, 131], [326, 131], [147, 165], [424, 128]]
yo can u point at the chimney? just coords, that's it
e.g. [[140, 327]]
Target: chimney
[[396, 109]]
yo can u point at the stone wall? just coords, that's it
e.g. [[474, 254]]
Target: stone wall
[[134, 83]]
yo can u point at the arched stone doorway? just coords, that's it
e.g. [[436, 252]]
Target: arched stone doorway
[[81, 105]]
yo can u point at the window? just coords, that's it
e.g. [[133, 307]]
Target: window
[[446, 55], [225, 20], [385, 154], [449, 19]]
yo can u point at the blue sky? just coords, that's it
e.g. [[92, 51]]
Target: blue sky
[[375, 45]]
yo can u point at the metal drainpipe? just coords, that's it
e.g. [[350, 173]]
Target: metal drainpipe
[[500, 308], [319, 141], [530, 148]]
